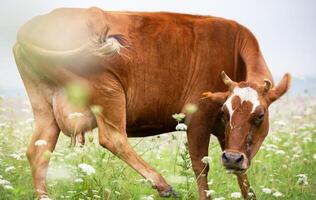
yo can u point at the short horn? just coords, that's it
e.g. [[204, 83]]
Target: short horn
[[267, 85], [227, 81]]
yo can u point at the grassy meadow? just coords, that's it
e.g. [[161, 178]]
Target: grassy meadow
[[284, 168]]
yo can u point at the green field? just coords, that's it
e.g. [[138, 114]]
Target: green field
[[284, 168]]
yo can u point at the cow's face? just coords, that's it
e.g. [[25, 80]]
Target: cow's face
[[246, 118]]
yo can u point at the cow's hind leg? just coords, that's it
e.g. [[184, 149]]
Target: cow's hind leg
[[46, 133], [112, 136]]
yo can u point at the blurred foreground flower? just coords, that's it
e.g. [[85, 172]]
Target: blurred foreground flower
[[40, 143], [77, 94], [96, 109], [178, 117], [88, 169], [190, 108]]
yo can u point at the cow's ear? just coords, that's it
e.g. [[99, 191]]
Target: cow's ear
[[218, 97], [278, 90]]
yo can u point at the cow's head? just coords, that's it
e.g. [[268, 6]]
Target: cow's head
[[246, 118]]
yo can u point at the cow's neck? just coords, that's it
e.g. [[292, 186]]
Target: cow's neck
[[252, 66]]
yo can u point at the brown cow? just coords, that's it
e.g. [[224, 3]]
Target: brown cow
[[143, 69]]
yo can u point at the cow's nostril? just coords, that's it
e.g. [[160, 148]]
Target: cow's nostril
[[224, 158], [240, 159]]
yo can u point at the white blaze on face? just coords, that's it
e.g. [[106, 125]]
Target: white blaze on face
[[245, 94]]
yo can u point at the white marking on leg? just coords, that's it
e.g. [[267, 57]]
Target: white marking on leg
[[245, 94]]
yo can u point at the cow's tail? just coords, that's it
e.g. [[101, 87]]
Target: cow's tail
[[53, 64]]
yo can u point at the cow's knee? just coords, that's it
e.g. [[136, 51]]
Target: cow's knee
[[104, 142]]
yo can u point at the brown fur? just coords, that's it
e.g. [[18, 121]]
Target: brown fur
[[165, 61]]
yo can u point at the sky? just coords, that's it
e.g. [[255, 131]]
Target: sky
[[286, 30]]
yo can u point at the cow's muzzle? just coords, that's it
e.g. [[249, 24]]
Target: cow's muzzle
[[235, 162]]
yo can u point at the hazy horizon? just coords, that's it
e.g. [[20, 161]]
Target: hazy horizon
[[285, 30]]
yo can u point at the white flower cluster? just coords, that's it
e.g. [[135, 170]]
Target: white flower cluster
[[9, 169], [302, 179], [235, 195], [5, 184], [88, 169], [270, 191], [150, 197], [181, 127], [206, 160], [219, 198]]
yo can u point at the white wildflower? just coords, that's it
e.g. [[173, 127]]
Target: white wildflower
[[181, 127], [4, 182], [235, 195], [280, 152], [302, 179], [209, 192], [314, 156], [210, 182], [150, 197], [307, 139], [78, 180], [44, 197], [8, 169], [266, 190], [277, 194], [88, 169], [219, 198], [40, 142], [8, 187], [206, 159], [97, 196], [75, 115], [16, 156]]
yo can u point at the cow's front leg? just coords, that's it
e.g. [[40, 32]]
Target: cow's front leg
[[115, 139], [198, 141], [42, 143], [244, 186]]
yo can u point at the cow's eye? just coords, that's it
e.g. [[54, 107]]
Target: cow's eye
[[258, 120]]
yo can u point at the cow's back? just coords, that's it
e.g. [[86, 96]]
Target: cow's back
[[168, 61]]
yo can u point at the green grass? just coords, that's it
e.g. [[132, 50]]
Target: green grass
[[289, 150]]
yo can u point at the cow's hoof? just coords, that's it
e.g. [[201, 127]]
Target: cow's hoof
[[251, 195], [169, 193]]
